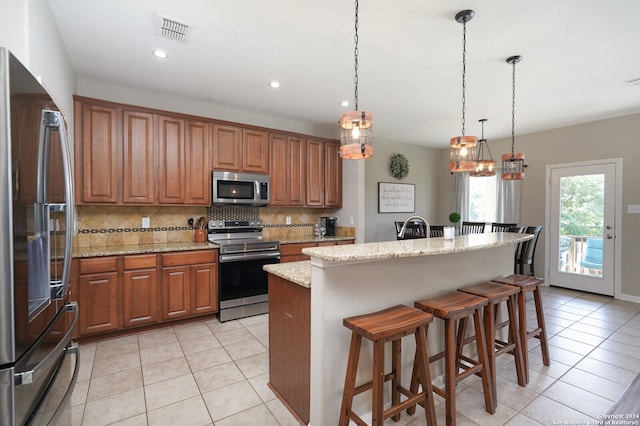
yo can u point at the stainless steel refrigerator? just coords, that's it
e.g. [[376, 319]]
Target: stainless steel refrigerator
[[38, 360]]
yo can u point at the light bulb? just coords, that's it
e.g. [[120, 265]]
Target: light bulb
[[355, 133], [463, 152]]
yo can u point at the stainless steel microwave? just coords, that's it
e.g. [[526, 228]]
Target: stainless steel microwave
[[239, 188]]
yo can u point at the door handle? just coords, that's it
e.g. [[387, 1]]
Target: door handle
[[609, 236], [609, 227]]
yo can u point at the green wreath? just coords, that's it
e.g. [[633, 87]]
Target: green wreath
[[399, 166]]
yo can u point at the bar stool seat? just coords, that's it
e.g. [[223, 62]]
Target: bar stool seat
[[452, 307], [389, 325], [528, 284], [498, 293]]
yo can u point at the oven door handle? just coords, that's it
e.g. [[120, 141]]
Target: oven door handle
[[240, 257]]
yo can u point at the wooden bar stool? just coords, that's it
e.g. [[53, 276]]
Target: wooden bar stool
[[389, 325], [452, 307], [498, 293], [529, 284]]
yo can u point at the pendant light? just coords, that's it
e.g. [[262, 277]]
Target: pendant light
[[356, 126], [513, 164], [462, 149], [484, 167]]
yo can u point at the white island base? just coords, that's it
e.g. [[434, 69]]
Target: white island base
[[362, 278]]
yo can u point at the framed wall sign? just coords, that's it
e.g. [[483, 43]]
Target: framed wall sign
[[396, 197]]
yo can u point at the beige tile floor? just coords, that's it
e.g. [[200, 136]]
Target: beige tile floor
[[211, 373]]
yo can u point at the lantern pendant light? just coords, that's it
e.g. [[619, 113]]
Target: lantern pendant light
[[513, 164], [462, 149], [484, 167], [356, 127]]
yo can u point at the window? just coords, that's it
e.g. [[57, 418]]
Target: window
[[482, 199]]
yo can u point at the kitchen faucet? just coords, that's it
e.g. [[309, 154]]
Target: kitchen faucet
[[409, 219]]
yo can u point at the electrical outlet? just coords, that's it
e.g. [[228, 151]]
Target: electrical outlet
[[287, 220], [146, 222], [350, 220]]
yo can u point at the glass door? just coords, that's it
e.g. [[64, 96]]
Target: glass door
[[581, 223]]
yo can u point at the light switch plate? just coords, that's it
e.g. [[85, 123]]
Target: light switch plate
[[633, 208], [146, 222]]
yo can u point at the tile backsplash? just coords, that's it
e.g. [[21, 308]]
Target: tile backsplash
[[99, 226]]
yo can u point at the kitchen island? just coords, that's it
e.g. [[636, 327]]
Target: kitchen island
[[356, 279]]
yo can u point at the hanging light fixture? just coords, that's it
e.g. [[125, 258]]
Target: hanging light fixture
[[462, 149], [484, 167], [513, 164], [356, 126]]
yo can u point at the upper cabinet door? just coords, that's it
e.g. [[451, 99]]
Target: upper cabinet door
[[138, 158], [288, 157], [332, 174], [198, 163], [171, 145], [227, 148], [97, 164], [315, 172], [255, 151]]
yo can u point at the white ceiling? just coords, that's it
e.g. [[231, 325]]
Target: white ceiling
[[577, 54]]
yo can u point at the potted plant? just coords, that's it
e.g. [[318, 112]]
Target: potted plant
[[449, 232]]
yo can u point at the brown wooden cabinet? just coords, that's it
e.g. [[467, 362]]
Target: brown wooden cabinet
[[140, 290], [315, 172], [139, 165], [120, 292], [126, 155], [171, 164], [292, 252], [99, 295], [332, 174], [255, 151], [288, 176], [134, 156], [290, 344], [197, 163], [189, 284], [97, 155], [227, 148], [240, 150]]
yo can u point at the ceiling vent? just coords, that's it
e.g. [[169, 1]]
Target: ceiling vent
[[633, 83], [172, 29]]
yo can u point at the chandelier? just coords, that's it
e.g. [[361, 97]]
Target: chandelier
[[462, 149], [484, 167], [513, 163], [356, 127]]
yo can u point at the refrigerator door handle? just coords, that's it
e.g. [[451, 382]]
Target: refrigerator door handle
[[27, 377], [54, 120], [72, 349]]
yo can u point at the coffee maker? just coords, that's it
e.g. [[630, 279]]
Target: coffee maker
[[329, 223]]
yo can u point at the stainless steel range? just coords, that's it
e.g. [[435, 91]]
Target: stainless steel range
[[242, 283]]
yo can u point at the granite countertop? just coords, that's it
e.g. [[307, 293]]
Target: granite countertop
[[300, 272], [417, 247], [296, 272], [311, 239], [118, 250]]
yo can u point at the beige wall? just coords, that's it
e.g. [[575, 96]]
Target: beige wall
[[423, 172], [28, 29], [604, 139]]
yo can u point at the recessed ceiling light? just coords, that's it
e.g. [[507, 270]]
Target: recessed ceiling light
[[274, 84], [160, 54], [344, 103]]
